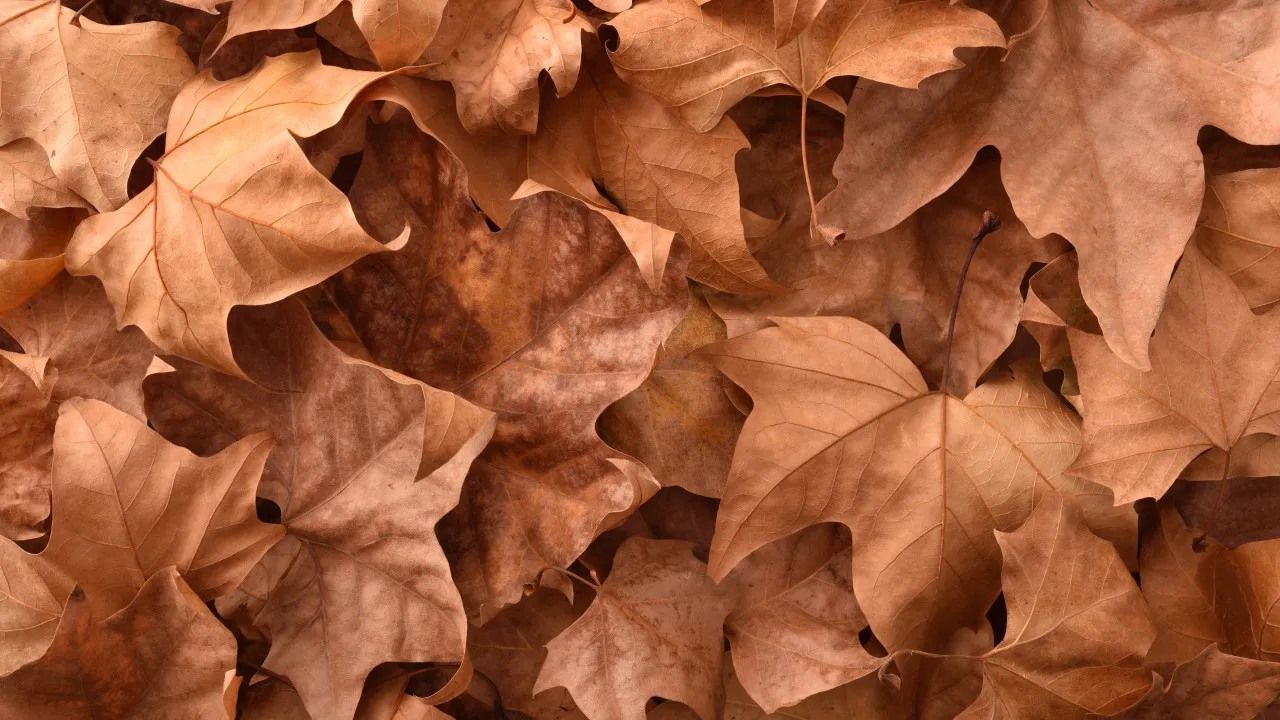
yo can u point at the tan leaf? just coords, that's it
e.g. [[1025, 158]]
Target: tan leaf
[[1053, 304], [1211, 686], [33, 592], [680, 422], [1212, 382], [163, 656], [545, 323], [71, 78], [702, 60], [493, 52], [236, 214], [32, 252], [128, 504], [1238, 232], [1077, 630], [26, 447], [360, 575], [843, 429], [795, 632], [1095, 112], [662, 616], [27, 181]]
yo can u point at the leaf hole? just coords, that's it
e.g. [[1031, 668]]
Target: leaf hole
[[268, 511], [998, 616]]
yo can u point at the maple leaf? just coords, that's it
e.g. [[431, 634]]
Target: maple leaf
[[1214, 365], [162, 656], [493, 53], [660, 611], [33, 592], [546, 323], [360, 578], [397, 32], [1212, 686], [63, 82], [1125, 193], [844, 429], [1053, 304], [1077, 630], [680, 422], [32, 255], [795, 631], [1237, 231], [27, 181], [236, 215]]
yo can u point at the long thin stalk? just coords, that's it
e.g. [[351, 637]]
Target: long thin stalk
[[990, 224]]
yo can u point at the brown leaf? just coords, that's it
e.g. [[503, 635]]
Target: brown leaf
[[27, 181], [128, 505], [1211, 686], [1077, 630], [1211, 383], [795, 631], [654, 628], [32, 255], [843, 429], [546, 323], [1095, 112], [1053, 304], [26, 447], [223, 224], [703, 60], [680, 422], [33, 592], [1237, 232], [493, 53], [1243, 511], [71, 77], [360, 575], [163, 656]]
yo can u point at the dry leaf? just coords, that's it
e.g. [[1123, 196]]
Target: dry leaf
[[27, 181], [236, 215], [654, 628], [360, 574], [26, 447], [1095, 112], [1211, 383], [545, 323], [32, 252], [164, 656], [1212, 686], [1238, 232], [33, 592]]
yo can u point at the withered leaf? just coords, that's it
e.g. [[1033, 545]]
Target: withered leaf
[[653, 629], [1238, 232], [1095, 112], [27, 181], [33, 592], [1212, 382], [1212, 686], [546, 323], [26, 445], [163, 656], [367, 462], [70, 78], [236, 214], [32, 253]]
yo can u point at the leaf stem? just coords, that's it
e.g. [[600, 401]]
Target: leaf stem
[[569, 574], [990, 224], [1201, 543], [804, 157], [908, 651], [80, 12]]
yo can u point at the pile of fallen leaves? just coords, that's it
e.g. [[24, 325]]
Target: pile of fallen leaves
[[689, 359]]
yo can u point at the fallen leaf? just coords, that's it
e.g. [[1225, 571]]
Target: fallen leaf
[[1212, 686], [33, 592], [367, 462], [163, 656], [1095, 110], [662, 616], [1213, 366], [26, 447], [223, 223], [1237, 232], [27, 181], [32, 255], [71, 77]]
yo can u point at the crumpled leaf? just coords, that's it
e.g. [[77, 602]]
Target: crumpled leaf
[[546, 323], [161, 657], [236, 214], [27, 181], [844, 429], [654, 628], [71, 78], [1212, 686], [1212, 383], [1237, 232], [493, 53], [127, 504], [701, 61], [1077, 630], [33, 592], [795, 631], [1095, 112], [360, 575]]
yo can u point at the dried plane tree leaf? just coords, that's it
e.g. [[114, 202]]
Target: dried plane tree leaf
[[546, 323], [1078, 626], [32, 253], [236, 215], [1211, 383], [1213, 686], [27, 181], [1237, 231], [367, 462], [26, 447], [163, 656], [844, 429], [33, 592], [1095, 110], [653, 629], [69, 77], [493, 53]]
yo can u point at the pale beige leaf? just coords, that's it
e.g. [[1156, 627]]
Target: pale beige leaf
[[1239, 231], [33, 592], [27, 181]]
